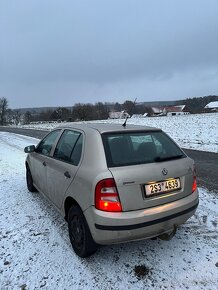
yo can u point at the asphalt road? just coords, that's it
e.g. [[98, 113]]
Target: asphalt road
[[206, 162]]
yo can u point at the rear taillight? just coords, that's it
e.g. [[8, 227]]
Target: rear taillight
[[106, 196], [194, 185]]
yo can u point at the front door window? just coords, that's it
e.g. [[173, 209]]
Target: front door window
[[46, 144]]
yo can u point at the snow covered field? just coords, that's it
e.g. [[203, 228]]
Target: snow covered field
[[198, 132], [35, 251]]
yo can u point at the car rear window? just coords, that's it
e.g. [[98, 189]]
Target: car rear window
[[132, 148]]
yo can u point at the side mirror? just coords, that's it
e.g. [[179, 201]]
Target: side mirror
[[30, 149]]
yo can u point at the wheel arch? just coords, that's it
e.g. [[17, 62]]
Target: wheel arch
[[68, 203]]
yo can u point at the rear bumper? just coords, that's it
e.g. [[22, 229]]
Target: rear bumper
[[109, 228]]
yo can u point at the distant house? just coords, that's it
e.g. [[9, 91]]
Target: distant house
[[118, 115], [175, 111], [170, 111], [211, 107]]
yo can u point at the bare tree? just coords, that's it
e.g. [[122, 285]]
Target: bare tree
[[3, 110], [9, 116], [129, 106], [27, 117], [16, 117], [117, 107], [101, 111], [61, 113]]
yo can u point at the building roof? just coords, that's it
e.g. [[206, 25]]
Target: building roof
[[164, 109], [174, 109], [212, 105]]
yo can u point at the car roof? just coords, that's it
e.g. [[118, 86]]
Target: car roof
[[107, 127]]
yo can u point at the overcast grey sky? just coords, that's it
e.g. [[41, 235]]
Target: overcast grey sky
[[57, 53]]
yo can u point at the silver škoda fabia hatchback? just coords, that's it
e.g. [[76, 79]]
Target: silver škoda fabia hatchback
[[112, 183]]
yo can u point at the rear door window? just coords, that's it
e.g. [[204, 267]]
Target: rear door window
[[129, 148], [69, 147]]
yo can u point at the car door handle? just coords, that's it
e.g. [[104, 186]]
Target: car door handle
[[44, 163], [67, 174]]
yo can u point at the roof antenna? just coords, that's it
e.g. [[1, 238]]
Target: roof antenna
[[127, 116], [124, 124]]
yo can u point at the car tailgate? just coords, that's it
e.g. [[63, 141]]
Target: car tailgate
[[131, 181]]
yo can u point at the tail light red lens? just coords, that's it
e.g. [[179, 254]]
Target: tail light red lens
[[106, 196], [194, 185]]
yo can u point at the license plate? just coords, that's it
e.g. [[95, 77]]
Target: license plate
[[162, 186]]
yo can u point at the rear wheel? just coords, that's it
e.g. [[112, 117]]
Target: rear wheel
[[80, 236], [29, 180]]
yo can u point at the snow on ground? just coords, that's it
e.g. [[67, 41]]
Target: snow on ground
[[35, 251], [198, 132]]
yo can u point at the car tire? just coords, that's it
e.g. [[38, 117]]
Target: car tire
[[79, 233], [29, 180]]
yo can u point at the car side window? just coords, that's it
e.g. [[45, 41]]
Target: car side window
[[46, 144], [77, 151], [69, 147]]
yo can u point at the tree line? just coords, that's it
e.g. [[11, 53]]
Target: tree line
[[7, 115], [79, 112], [85, 112], [3, 110]]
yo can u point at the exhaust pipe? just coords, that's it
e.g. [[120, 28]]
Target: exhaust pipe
[[168, 236]]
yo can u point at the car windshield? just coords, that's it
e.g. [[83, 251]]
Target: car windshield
[[132, 148]]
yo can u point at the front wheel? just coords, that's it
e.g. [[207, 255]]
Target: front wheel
[[80, 236], [29, 180]]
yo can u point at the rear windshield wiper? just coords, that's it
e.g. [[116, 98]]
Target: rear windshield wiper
[[159, 159]]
